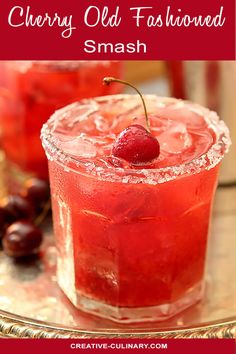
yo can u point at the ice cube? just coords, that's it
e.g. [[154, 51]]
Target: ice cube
[[75, 120], [103, 124], [78, 147], [187, 115], [175, 138], [158, 124]]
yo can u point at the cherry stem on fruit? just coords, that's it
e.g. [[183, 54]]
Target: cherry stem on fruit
[[38, 221], [108, 80]]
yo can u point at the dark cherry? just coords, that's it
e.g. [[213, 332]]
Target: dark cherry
[[22, 239], [17, 207], [37, 191], [3, 221], [3, 216], [136, 145]]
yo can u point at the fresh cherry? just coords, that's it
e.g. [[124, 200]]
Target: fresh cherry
[[135, 144], [17, 207], [22, 239], [36, 191]]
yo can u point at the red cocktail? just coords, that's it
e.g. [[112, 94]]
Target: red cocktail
[[32, 92], [132, 239]]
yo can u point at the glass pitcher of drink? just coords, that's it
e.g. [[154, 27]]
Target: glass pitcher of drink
[[31, 92]]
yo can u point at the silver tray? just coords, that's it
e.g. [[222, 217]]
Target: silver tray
[[32, 305]]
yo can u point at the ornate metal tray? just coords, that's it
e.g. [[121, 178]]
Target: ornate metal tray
[[32, 305]]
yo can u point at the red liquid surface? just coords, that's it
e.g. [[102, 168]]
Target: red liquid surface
[[132, 244], [31, 94]]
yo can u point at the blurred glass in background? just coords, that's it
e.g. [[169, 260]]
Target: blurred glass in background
[[212, 84], [30, 92]]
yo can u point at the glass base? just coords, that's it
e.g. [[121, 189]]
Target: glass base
[[138, 314]]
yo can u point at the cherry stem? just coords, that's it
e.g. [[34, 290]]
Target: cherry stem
[[108, 80], [41, 217]]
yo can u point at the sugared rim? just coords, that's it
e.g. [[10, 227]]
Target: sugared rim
[[150, 176]]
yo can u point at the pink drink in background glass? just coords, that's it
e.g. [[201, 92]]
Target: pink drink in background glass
[[132, 240], [32, 92]]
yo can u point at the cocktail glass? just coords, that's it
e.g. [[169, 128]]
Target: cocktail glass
[[132, 240], [32, 91]]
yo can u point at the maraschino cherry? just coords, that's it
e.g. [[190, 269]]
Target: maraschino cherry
[[135, 144]]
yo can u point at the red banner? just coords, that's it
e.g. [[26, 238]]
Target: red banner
[[119, 30], [168, 346]]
